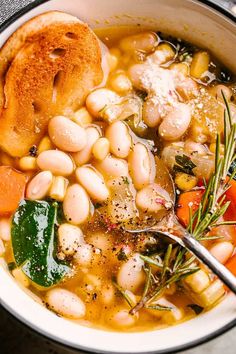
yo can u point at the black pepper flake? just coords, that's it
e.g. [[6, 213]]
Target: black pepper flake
[[33, 151], [94, 296]]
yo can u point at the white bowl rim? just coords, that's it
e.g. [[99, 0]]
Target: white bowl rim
[[226, 13]]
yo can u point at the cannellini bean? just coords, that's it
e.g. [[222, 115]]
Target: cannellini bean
[[144, 42], [222, 251], [176, 122], [99, 99], [65, 303], [93, 183], [151, 115], [195, 148], [58, 162], [70, 238], [39, 186], [121, 83], [21, 277], [175, 314], [28, 163], [140, 166], [123, 319], [2, 248], [186, 87], [101, 148], [152, 198], [182, 68], [85, 155], [136, 73], [120, 140], [83, 255], [112, 167], [5, 229], [131, 275], [199, 64], [66, 134], [217, 92], [76, 204]]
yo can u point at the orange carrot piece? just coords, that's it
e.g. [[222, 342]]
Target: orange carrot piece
[[12, 187], [186, 201], [231, 264]]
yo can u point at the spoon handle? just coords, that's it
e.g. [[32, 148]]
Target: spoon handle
[[213, 264]]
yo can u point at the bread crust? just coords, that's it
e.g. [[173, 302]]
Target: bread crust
[[49, 66]]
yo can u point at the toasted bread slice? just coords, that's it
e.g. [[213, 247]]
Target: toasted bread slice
[[52, 69]]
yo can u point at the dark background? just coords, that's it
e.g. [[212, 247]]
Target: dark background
[[17, 339]]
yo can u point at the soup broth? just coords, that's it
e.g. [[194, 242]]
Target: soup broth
[[162, 103]]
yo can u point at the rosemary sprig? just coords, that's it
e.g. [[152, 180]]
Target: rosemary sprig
[[176, 265]]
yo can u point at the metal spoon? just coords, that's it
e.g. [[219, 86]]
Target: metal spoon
[[186, 239]]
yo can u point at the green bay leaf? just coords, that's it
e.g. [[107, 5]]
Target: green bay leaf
[[33, 242]]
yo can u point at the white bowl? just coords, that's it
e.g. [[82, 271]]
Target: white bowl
[[205, 24]]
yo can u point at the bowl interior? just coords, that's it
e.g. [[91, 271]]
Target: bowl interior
[[201, 25]]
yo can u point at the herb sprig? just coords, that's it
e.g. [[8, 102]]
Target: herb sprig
[[177, 264]]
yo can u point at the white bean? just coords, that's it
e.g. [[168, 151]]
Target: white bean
[[58, 162], [222, 251], [39, 186], [131, 275], [65, 303], [84, 255], [5, 229], [136, 73], [70, 238], [76, 205], [85, 155], [108, 294], [112, 167], [195, 148], [144, 42], [93, 183], [99, 99], [120, 140], [176, 122], [152, 198], [140, 166], [66, 134], [123, 319], [217, 92], [151, 114]]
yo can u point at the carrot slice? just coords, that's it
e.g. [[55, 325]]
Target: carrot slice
[[12, 187], [231, 264], [186, 201]]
